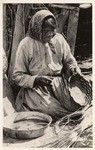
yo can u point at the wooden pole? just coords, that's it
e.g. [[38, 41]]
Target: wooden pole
[[72, 23], [72, 28], [4, 28], [61, 19]]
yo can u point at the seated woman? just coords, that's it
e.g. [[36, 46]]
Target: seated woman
[[40, 61]]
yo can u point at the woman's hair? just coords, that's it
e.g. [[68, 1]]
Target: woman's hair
[[49, 22]]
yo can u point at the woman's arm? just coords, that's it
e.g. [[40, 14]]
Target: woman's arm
[[68, 58], [20, 73]]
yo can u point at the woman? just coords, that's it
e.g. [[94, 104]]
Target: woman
[[40, 60]]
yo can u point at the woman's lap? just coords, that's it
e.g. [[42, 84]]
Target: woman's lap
[[56, 102]]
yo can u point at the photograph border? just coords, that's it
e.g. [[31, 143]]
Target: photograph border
[[1, 65]]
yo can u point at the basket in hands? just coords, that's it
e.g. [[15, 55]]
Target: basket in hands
[[84, 85]]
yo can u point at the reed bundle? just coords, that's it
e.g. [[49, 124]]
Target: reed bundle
[[67, 138]]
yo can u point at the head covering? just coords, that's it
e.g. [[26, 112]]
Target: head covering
[[36, 22]]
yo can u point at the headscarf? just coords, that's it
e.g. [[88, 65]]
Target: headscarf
[[36, 22]]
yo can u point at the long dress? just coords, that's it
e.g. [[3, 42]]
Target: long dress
[[34, 58]]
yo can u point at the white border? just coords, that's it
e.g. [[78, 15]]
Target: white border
[[1, 41]]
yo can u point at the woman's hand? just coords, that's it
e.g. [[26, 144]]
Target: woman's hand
[[74, 71], [43, 81]]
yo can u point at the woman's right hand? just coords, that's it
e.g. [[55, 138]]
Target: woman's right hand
[[43, 81]]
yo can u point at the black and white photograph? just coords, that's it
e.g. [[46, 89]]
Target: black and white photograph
[[47, 75]]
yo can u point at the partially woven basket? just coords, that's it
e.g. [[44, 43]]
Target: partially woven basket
[[85, 86]]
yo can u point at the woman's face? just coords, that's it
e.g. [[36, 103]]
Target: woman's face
[[47, 34]]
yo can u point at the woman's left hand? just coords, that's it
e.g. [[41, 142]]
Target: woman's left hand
[[74, 71]]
